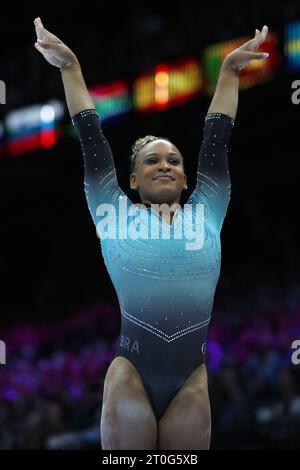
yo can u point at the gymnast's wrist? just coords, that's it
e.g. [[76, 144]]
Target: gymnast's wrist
[[228, 68], [72, 65]]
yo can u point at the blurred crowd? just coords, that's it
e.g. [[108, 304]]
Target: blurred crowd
[[51, 387]]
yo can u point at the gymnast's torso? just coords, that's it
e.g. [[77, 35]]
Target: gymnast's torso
[[164, 275]]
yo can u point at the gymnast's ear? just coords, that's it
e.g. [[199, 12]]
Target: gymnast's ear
[[133, 183]]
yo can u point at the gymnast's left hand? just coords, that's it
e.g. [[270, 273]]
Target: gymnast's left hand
[[240, 57]]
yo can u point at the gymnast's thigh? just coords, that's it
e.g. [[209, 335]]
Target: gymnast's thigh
[[127, 418], [186, 423]]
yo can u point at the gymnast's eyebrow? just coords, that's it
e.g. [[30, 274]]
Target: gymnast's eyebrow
[[171, 153]]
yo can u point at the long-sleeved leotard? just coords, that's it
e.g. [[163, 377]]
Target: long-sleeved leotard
[[165, 291]]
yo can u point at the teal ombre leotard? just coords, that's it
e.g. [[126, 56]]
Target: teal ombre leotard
[[165, 291]]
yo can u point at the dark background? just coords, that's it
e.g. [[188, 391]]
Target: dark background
[[50, 259]]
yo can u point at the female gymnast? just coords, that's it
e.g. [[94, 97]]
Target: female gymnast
[[155, 391]]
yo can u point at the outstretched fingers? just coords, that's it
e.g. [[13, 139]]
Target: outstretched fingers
[[259, 55], [44, 37], [261, 37], [42, 45], [41, 31], [38, 46], [39, 28]]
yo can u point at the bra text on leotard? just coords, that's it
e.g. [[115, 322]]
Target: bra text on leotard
[[131, 345]]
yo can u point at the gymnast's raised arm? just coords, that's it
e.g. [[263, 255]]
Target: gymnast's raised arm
[[213, 179], [101, 185], [59, 55], [225, 98]]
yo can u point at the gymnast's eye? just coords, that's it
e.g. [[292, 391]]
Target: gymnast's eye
[[175, 161]]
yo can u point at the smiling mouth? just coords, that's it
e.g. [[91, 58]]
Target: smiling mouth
[[164, 178]]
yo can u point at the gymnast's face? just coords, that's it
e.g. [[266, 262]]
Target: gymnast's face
[[159, 174]]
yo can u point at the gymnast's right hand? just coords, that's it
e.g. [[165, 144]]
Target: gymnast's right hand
[[51, 47]]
